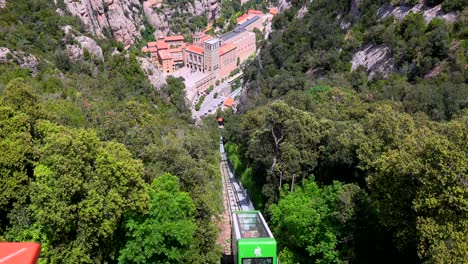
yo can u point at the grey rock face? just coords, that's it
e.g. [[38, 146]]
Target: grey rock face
[[122, 17], [76, 52], [283, 5], [154, 75], [20, 58], [2, 3], [376, 59], [429, 13]]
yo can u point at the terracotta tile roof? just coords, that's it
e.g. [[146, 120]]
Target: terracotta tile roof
[[226, 48], [145, 49], [254, 12], [195, 49], [242, 18], [175, 50], [229, 102], [161, 45], [153, 49], [165, 55], [152, 44], [174, 38], [273, 11]]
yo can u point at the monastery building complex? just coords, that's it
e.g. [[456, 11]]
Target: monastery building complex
[[208, 58]]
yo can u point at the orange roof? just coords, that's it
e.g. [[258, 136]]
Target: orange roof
[[226, 48], [153, 49], [152, 44], [273, 11], [205, 38], [220, 119], [195, 49], [161, 45], [242, 18], [175, 50], [255, 12], [165, 55], [229, 102], [174, 38], [27, 253], [145, 49]]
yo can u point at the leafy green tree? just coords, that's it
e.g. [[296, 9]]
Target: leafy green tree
[[311, 222], [16, 146], [81, 190], [422, 182], [284, 141], [165, 234]]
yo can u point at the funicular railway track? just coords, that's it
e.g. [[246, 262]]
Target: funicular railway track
[[231, 196], [246, 236]]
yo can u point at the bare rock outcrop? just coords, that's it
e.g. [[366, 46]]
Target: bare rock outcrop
[[122, 17], [283, 5], [20, 58], [77, 51], [154, 75], [161, 15], [429, 13], [377, 59], [2, 3]]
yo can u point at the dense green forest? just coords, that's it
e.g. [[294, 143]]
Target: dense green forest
[[95, 164], [353, 169]]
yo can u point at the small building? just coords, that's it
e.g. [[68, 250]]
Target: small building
[[152, 44], [254, 12], [273, 11], [177, 55], [174, 41], [229, 102], [161, 45], [165, 61]]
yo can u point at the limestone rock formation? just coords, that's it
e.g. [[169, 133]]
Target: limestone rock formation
[[154, 75], [20, 58], [283, 5], [76, 51], [122, 17], [160, 15], [429, 13], [377, 59]]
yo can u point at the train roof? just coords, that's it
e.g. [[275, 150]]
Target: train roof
[[250, 224]]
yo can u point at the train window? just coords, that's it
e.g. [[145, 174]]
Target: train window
[[257, 261]]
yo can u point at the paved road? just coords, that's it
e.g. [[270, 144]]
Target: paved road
[[210, 104]]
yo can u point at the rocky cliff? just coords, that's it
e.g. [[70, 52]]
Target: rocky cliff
[[25, 61], [124, 18], [378, 59]]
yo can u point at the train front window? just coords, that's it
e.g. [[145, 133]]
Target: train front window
[[251, 226], [257, 261]]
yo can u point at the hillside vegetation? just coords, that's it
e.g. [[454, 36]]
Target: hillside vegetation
[[350, 168], [97, 165]]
